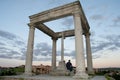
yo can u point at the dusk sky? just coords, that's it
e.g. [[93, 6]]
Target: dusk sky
[[103, 17]]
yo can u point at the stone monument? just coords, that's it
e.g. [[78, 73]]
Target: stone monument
[[81, 28]]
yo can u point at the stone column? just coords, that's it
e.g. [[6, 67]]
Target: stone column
[[54, 54], [61, 69], [80, 59], [29, 53], [89, 55], [62, 47]]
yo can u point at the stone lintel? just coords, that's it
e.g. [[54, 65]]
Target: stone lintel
[[85, 26], [46, 30], [84, 21], [55, 13], [60, 12], [54, 35], [67, 33]]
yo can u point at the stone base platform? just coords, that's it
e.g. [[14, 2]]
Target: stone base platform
[[47, 77], [61, 70], [37, 77], [60, 73]]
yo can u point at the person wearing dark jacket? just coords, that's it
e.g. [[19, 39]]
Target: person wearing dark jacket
[[69, 66]]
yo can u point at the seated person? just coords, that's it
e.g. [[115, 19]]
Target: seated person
[[69, 66]]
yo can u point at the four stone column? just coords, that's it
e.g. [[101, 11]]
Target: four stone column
[[80, 60], [29, 53], [89, 55], [54, 54]]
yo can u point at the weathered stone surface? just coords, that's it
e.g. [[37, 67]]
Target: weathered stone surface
[[29, 53], [80, 59], [56, 13]]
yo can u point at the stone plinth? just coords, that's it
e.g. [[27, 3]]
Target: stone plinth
[[61, 70], [62, 66]]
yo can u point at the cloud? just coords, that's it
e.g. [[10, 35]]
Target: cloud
[[1, 43], [105, 43], [72, 54], [100, 46], [18, 42], [9, 54], [41, 58], [7, 38], [10, 45], [92, 33], [109, 42], [116, 22], [113, 48], [97, 17], [67, 22], [7, 35], [42, 52], [96, 56], [114, 39], [42, 49], [13, 47], [67, 53], [5, 56]]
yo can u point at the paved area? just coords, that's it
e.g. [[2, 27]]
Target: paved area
[[98, 78], [48, 77]]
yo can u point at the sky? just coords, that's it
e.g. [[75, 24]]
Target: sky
[[103, 17]]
